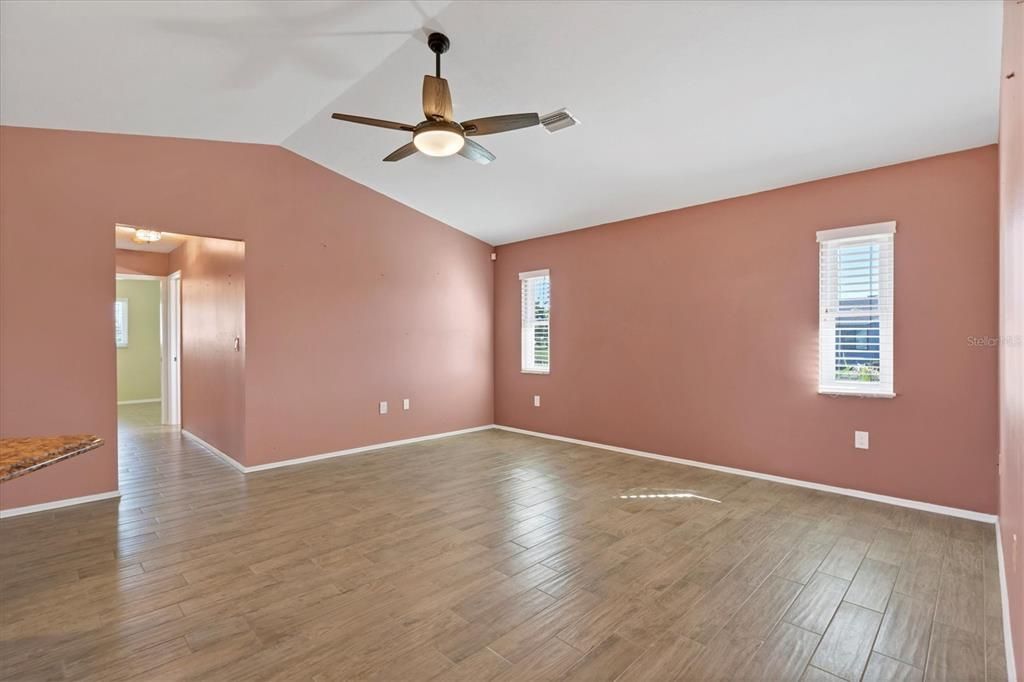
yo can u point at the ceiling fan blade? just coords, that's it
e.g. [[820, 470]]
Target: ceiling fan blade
[[373, 122], [402, 152], [437, 98], [500, 124], [476, 152]]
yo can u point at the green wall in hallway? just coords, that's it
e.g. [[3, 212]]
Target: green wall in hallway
[[138, 365]]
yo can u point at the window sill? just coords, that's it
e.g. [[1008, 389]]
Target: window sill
[[836, 392], [535, 371]]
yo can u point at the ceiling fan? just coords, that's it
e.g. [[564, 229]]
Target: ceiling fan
[[439, 134]]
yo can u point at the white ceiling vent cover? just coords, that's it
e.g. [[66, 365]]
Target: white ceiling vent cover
[[557, 120]]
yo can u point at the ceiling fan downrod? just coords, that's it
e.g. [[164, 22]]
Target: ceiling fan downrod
[[438, 44]]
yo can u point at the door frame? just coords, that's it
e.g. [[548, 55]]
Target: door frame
[[170, 344], [170, 292]]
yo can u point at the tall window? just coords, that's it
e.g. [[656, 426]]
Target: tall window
[[855, 310], [536, 321], [121, 322]]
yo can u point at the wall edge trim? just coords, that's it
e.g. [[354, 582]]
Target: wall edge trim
[[1011, 666], [58, 504], [138, 402], [850, 492]]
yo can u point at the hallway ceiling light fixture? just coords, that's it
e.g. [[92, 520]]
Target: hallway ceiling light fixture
[[143, 236], [439, 134]]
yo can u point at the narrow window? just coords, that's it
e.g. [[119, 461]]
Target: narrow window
[[536, 321], [855, 310], [121, 322]]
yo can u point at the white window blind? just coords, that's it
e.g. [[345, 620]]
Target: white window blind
[[121, 322], [536, 321], [855, 310]]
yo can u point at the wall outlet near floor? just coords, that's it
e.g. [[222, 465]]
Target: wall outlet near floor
[[383, 407], [536, 401], [405, 403], [860, 440]]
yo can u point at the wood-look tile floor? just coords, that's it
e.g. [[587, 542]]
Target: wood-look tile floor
[[487, 556]]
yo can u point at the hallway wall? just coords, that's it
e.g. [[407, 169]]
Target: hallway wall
[[212, 315], [138, 364], [128, 262]]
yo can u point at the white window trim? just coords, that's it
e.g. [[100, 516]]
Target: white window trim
[[124, 302], [523, 342], [872, 230], [857, 389], [836, 391]]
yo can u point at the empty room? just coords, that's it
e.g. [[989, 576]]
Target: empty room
[[412, 340]]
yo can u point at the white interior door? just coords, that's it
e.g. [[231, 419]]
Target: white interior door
[[172, 352]]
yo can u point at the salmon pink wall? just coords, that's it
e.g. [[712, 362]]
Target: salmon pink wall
[[57, 354], [212, 317], [128, 262], [374, 302], [351, 298], [693, 333], [1011, 220]]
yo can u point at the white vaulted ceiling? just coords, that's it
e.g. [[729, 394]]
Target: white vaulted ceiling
[[219, 70], [681, 102]]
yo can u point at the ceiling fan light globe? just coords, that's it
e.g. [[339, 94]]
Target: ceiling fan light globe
[[438, 141]]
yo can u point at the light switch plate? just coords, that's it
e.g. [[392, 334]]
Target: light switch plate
[[405, 403], [860, 440], [383, 407], [536, 401]]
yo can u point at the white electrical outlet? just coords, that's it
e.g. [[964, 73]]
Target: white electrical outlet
[[383, 407], [405, 403], [860, 440], [536, 401]]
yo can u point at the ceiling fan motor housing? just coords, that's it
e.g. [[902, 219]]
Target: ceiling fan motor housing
[[438, 43]]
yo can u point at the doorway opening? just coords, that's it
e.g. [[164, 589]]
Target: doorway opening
[[179, 331], [147, 320]]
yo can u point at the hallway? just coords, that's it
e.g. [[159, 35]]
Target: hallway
[[157, 463], [131, 419]]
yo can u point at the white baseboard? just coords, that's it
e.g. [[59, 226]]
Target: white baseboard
[[224, 456], [48, 506], [331, 455], [1011, 667], [898, 501], [138, 402], [364, 448]]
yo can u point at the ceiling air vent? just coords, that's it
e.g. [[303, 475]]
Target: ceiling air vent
[[557, 120]]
